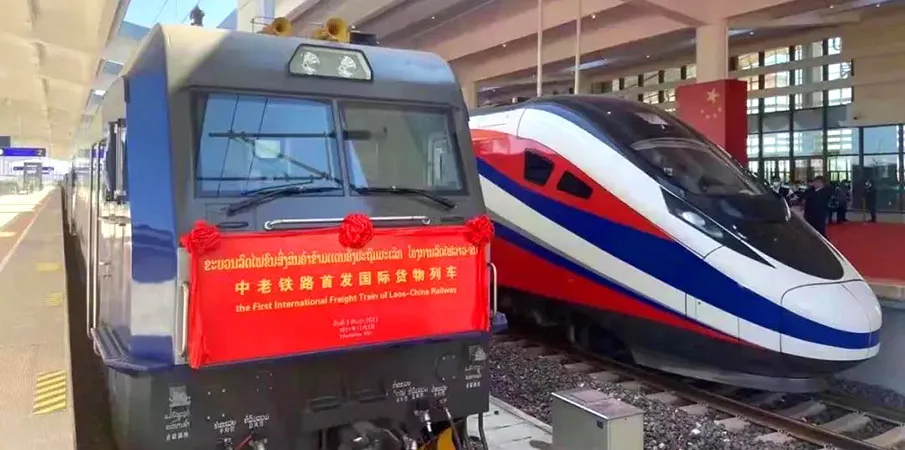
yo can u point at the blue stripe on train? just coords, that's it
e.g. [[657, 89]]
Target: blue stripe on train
[[673, 264]]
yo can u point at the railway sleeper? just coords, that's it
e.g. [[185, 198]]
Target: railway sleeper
[[847, 423], [733, 424], [803, 410], [890, 438]]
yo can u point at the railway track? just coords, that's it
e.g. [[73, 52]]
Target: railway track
[[827, 421]]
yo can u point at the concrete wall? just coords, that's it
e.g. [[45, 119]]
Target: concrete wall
[[877, 47]]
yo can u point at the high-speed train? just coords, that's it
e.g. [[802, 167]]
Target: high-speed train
[[634, 231]]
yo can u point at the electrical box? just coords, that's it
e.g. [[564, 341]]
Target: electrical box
[[587, 419]]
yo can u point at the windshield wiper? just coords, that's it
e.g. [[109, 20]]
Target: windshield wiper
[[249, 140], [449, 204], [260, 196]]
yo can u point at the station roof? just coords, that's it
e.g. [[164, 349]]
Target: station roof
[[51, 52], [494, 42]]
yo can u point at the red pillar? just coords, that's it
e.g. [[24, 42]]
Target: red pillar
[[719, 110]]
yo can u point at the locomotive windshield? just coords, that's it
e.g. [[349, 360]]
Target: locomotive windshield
[[253, 143]]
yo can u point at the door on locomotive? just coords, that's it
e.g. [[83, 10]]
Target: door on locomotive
[[259, 150]]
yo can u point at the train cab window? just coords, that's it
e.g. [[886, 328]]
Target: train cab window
[[570, 184], [401, 145], [538, 168], [252, 142]]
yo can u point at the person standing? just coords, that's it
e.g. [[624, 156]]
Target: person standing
[[870, 199], [780, 190], [816, 205], [844, 199]]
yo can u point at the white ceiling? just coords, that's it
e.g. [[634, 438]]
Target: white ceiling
[[50, 54]]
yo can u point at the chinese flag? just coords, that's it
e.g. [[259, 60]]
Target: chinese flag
[[719, 110]]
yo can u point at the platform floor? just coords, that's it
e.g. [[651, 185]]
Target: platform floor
[[35, 406], [508, 428]]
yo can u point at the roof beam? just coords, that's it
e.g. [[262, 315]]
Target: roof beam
[[498, 23], [522, 55]]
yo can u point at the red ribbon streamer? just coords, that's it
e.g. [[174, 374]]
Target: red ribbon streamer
[[203, 238]]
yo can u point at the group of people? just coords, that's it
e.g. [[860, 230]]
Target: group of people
[[822, 202]]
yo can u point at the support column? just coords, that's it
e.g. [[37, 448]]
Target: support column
[[247, 10], [715, 105], [540, 48], [470, 94]]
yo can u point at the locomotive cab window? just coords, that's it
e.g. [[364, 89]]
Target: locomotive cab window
[[253, 142], [538, 168], [404, 146], [570, 184]]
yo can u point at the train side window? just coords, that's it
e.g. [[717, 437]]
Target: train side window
[[570, 184], [538, 168]]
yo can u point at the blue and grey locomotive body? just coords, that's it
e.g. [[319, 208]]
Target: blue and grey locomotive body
[[242, 130]]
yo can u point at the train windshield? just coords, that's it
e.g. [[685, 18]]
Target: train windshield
[[682, 156], [400, 145], [249, 143]]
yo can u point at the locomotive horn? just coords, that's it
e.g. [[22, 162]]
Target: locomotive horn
[[335, 29], [279, 27]]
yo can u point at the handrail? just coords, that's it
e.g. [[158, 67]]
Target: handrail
[[184, 333], [270, 224]]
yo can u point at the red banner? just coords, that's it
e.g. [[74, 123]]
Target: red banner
[[719, 110], [265, 295]]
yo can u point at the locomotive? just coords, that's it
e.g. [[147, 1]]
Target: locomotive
[[635, 234], [284, 245]]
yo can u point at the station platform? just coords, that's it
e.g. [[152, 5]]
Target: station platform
[[508, 428], [35, 403]]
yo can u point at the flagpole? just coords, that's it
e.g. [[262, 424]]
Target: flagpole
[[575, 90], [540, 47]]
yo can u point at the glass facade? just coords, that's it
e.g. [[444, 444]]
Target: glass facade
[[797, 118]]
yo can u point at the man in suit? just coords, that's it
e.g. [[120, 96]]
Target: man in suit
[[817, 204], [870, 197], [780, 190]]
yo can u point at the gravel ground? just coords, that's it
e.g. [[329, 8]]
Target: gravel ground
[[526, 383], [873, 394]]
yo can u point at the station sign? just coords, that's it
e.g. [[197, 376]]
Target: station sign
[[45, 169], [28, 152]]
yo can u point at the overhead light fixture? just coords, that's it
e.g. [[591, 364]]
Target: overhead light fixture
[[751, 33], [433, 17], [99, 92], [593, 16], [647, 56], [832, 6], [504, 45]]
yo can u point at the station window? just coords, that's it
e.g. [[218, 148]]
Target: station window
[[251, 142], [570, 184], [538, 168]]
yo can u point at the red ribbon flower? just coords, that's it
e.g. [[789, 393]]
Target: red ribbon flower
[[479, 231], [202, 239], [356, 231]]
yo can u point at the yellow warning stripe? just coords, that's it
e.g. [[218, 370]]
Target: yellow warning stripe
[[51, 392], [55, 299], [48, 267]]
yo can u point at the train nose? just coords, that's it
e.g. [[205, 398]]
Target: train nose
[[839, 321]]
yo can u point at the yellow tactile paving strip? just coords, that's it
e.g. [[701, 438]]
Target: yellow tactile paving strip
[[35, 401]]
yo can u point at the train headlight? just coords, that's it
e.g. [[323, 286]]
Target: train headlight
[[699, 222]]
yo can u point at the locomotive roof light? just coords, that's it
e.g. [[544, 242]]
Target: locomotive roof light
[[329, 62]]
